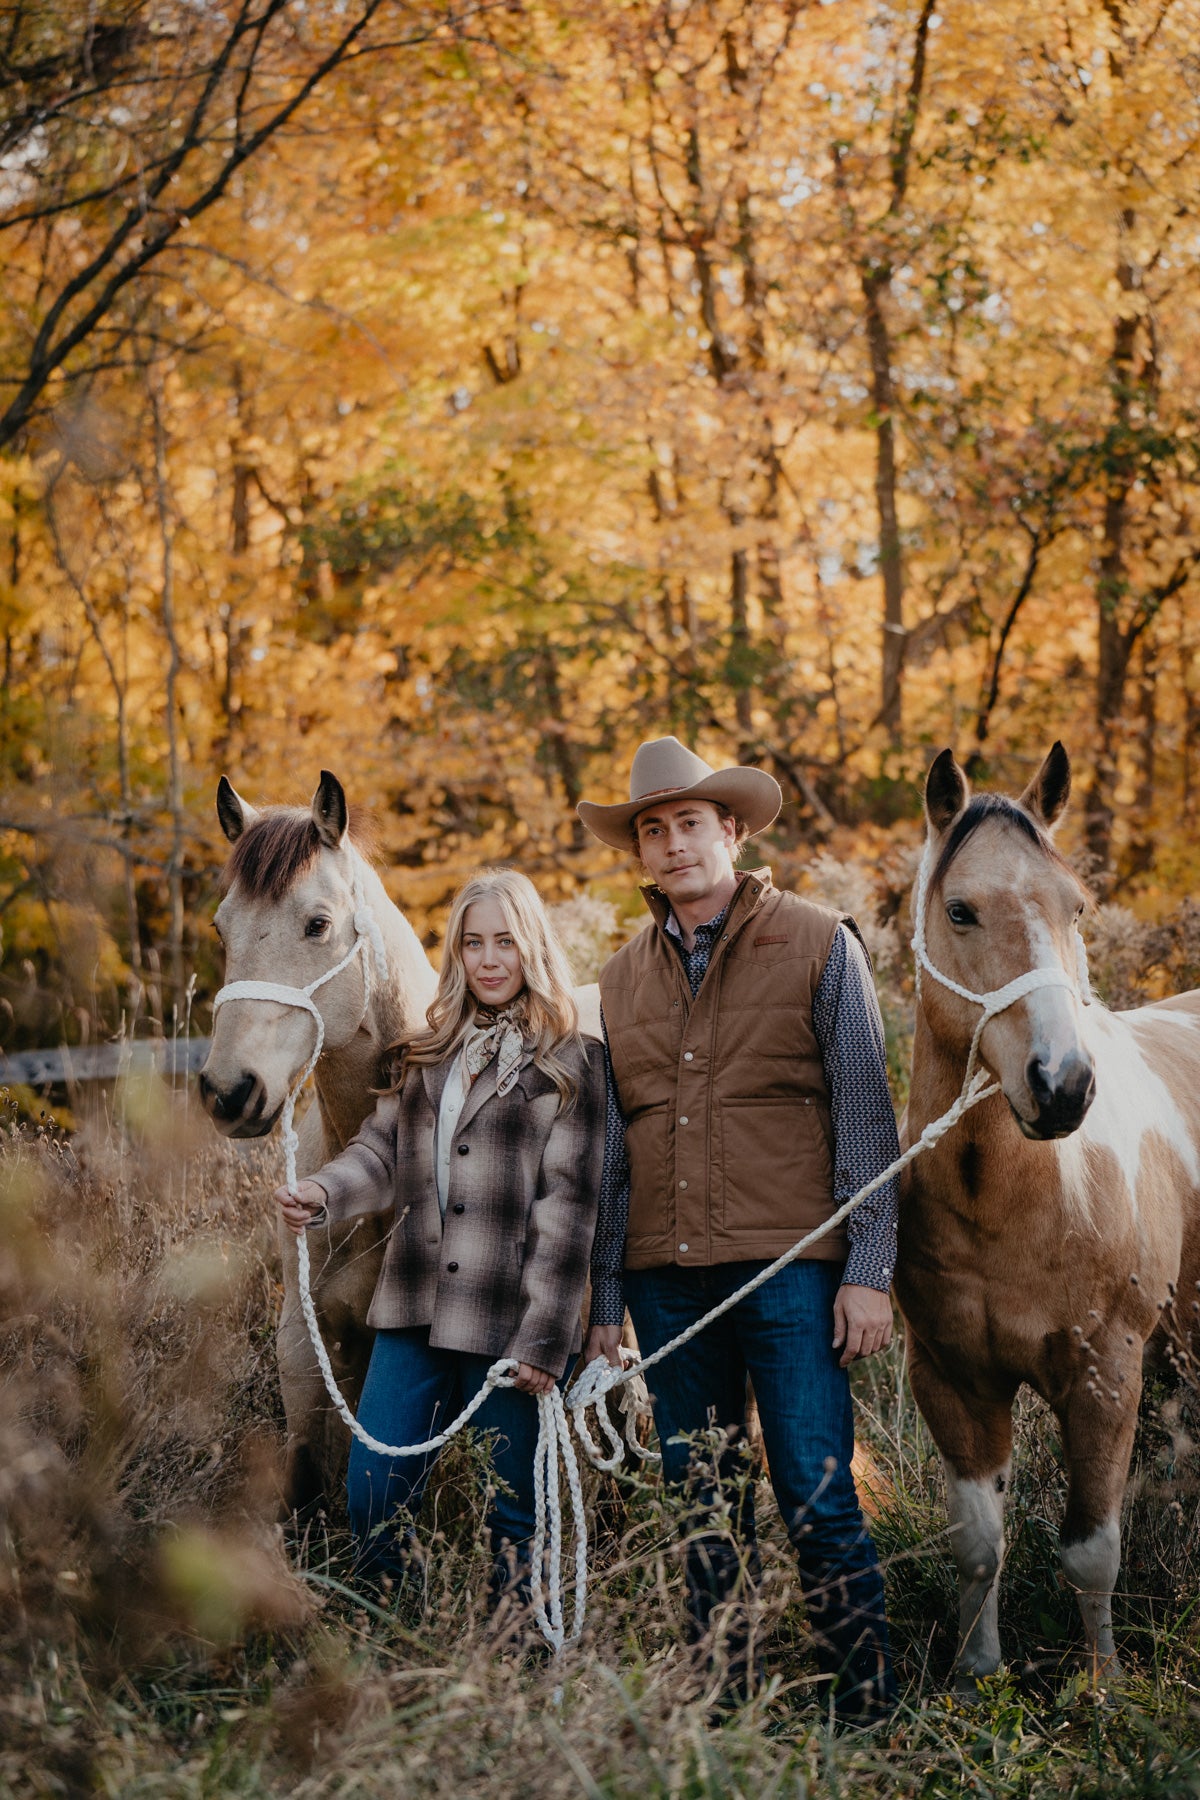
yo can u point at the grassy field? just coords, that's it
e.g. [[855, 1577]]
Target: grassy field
[[159, 1636]]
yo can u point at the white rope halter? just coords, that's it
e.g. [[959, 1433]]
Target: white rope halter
[[600, 1378], [996, 1000]]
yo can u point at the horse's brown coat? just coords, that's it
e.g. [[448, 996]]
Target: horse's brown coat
[[1051, 1263]]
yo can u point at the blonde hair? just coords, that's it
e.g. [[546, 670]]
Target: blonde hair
[[551, 1018]]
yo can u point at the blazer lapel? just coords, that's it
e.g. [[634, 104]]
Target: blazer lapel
[[434, 1077], [482, 1088]]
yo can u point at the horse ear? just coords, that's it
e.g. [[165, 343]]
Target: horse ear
[[331, 815], [1047, 794], [946, 791], [235, 814]]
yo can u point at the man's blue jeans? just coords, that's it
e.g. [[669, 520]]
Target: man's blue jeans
[[781, 1336], [411, 1392]]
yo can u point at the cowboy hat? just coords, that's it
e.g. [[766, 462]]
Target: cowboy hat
[[665, 769]]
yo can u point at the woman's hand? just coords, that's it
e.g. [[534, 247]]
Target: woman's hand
[[300, 1204], [529, 1380]]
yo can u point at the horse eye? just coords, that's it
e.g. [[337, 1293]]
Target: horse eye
[[959, 913], [316, 927]]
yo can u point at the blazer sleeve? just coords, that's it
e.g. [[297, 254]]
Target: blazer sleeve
[[562, 1220], [362, 1178]]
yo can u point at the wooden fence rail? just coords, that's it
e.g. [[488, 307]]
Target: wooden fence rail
[[103, 1062]]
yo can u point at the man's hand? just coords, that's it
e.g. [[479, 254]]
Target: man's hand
[[862, 1322], [605, 1341], [299, 1204], [529, 1380]]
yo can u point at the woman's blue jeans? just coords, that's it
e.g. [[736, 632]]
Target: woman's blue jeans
[[781, 1336], [411, 1392]]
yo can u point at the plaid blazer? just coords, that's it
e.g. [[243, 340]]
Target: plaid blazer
[[503, 1274]]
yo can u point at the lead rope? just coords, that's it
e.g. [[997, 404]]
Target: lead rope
[[600, 1378]]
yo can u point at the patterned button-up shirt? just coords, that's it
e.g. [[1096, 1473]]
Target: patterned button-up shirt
[[850, 1032]]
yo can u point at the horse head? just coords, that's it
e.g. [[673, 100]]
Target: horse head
[[293, 885], [996, 900]]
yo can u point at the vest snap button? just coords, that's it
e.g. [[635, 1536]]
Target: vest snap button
[[683, 1184], [687, 1056], [683, 1249], [683, 1121]]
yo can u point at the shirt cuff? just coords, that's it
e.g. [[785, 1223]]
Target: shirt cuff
[[608, 1300], [865, 1268]]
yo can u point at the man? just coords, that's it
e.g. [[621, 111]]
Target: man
[[748, 1099]]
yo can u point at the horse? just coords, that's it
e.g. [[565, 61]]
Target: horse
[[300, 896], [292, 887], [1043, 1240]]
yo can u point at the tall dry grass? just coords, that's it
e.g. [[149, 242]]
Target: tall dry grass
[[159, 1635]]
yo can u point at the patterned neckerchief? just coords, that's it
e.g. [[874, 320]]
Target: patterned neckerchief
[[500, 1034]]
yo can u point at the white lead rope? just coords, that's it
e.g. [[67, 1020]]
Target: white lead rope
[[600, 1378]]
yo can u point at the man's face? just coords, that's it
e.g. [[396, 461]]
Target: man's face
[[687, 846]]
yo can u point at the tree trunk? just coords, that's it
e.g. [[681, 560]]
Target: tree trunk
[[875, 283], [1114, 642], [174, 665]]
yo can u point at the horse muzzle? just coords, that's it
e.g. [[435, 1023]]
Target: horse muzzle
[[1060, 1097], [238, 1111]]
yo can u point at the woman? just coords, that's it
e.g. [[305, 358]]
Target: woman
[[489, 1148]]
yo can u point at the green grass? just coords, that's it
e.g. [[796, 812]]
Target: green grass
[[159, 1637]]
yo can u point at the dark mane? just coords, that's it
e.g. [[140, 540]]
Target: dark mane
[[993, 806], [275, 851]]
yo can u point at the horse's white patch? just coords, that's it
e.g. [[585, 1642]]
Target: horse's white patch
[[1091, 1568], [1131, 1101], [976, 1509]]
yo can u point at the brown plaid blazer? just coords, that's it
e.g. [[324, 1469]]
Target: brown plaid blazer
[[504, 1273]]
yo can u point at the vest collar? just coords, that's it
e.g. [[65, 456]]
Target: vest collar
[[752, 886]]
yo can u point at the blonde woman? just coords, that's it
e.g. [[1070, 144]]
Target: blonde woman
[[488, 1148]]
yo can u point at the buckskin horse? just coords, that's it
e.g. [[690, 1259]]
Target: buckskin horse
[[301, 898], [1046, 1238]]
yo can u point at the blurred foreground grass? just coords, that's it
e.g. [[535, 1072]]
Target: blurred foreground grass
[[160, 1636]]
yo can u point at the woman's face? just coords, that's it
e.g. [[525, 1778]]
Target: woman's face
[[490, 957]]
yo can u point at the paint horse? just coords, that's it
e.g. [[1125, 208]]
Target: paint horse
[[1044, 1239]]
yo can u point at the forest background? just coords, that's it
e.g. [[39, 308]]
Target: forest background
[[452, 396]]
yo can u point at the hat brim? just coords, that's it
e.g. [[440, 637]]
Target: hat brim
[[752, 794]]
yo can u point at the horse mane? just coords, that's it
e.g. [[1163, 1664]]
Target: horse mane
[[273, 852], [1000, 807]]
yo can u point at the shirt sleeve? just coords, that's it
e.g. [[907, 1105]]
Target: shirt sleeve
[[849, 1029], [612, 1219]]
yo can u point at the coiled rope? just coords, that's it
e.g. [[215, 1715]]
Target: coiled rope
[[600, 1379]]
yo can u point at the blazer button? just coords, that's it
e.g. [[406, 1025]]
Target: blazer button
[[459, 1207], [463, 1149], [453, 1268]]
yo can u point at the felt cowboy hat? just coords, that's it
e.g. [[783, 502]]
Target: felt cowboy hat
[[665, 769]]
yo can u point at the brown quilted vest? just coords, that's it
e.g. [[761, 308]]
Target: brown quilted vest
[[727, 1113]]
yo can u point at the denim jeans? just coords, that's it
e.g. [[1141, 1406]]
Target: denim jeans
[[412, 1390], [781, 1336]]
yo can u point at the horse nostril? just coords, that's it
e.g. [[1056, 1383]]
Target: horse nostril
[[232, 1103], [1038, 1082], [1061, 1100]]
